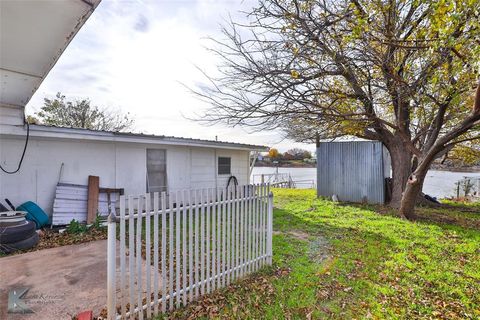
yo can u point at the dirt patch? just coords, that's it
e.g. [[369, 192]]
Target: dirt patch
[[319, 247], [319, 250], [464, 222], [297, 234]]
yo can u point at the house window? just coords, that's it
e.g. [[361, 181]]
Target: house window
[[224, 165], [156, 170]]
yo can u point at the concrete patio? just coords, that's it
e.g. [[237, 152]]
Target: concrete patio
[[63, 281]]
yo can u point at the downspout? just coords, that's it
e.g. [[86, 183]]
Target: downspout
[[255, 156], [215, 168]]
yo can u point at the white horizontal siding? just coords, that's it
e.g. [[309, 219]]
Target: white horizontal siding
[[119, 165]]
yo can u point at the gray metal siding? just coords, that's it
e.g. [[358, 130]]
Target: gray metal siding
[[354, 171]]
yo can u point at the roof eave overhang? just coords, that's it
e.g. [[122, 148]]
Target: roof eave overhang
[[57, 133], [33, 36]]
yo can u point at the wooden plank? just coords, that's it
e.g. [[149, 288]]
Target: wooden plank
[[197, 244], [131, 255], [123, 258], [224, 238], [139, 259], [184, 246], [247, 208], [214, 238], [255, 228], [228, 234], [93, 192], [262, 226], [170, 251], [245, 230], [202, 241], [270, 226], [259, 222], [178, 258], [219, 237], [155, 253], [71, 201], [148, 256], [164, 252], [190, 245], [120, 191], [233, 230], [266, 223], [242, 231], [250, 230], [208, 238], [237, 231]]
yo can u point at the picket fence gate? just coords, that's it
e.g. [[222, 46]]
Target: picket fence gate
[[202, 241]]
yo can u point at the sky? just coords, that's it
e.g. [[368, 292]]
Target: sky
[[138, 56]]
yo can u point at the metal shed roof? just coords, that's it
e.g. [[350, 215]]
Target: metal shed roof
[[33, 36]]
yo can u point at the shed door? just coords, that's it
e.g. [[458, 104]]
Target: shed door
[[156, 170]]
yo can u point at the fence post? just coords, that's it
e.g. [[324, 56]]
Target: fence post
[[111, 267], [270, 227]]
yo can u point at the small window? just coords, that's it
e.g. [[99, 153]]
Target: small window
[[224, 165]]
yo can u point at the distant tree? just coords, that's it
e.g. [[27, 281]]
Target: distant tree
[[81, 114], [273, 153], [299, 154], [288, 156]]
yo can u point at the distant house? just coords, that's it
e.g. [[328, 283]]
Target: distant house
[[137, 163]]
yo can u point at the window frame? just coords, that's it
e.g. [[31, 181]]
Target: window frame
[[224, 166], [163, 188]]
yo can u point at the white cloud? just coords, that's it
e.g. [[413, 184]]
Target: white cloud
[[135, 55]]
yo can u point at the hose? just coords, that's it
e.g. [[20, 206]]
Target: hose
[[23, 153]]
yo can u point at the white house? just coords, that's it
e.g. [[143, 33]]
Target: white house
[[38, 32], [135, 162]]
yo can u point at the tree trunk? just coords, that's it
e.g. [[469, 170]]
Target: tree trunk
[[410, 195], [401, 170]]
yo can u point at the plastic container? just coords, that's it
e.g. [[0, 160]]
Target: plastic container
[[34, 213]]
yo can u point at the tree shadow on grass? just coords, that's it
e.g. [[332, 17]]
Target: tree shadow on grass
[[445, 216]]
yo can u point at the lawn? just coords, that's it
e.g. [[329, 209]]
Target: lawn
[[336, 261]]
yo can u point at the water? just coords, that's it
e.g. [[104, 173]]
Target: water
[[440, 184]]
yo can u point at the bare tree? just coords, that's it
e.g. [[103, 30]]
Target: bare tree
[[402, 72], [80, 114]]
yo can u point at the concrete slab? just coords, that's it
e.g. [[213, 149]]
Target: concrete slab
[[62, 281]]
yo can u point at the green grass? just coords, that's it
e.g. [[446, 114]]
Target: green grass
[[336, 261]]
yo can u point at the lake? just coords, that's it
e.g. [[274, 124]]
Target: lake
[[440, 184]]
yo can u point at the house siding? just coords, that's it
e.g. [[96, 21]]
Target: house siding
[[118, 164]]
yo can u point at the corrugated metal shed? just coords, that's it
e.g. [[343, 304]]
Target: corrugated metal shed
[[355, 171]]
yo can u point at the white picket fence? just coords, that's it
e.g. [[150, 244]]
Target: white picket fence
[[185, 245]]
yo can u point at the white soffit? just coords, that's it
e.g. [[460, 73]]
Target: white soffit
[[33, 35]]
